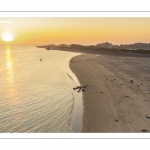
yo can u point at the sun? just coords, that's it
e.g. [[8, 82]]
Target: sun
[[7, 37]]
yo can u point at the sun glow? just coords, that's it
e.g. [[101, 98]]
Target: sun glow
[[7, 37]]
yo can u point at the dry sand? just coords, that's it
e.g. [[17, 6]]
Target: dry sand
[[111, 102]]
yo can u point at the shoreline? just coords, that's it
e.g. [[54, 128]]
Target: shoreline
[[76, 114], [112, 104]]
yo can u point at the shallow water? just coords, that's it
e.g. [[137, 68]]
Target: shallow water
[[36, 96]]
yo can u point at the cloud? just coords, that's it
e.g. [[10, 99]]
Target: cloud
[[5, 22]]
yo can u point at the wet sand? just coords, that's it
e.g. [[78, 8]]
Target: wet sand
[[117, 98]]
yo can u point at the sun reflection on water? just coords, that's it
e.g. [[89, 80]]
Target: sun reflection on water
[[11, 87], [9, 66]]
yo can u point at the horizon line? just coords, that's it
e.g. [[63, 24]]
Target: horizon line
[[72, 43]]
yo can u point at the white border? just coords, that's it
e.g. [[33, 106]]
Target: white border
[[75, 5], [74, 14], [75, 135]]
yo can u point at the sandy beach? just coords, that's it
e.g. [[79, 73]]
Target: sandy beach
[[117, 98]]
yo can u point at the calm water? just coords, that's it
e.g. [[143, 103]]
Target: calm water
[[36, 96]]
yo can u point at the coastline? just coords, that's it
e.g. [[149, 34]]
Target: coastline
[[76, 114], [112, 104]]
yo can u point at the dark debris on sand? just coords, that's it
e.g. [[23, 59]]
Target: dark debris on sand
[[131, 81], [145, 130], [80, 88]]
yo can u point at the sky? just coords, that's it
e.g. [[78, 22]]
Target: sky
[[85, 31]]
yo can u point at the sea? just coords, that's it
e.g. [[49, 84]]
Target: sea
[[36, 91]]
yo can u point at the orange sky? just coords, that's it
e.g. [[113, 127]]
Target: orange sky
[[86, 31]]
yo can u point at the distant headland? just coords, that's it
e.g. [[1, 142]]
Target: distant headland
[[106, 46]]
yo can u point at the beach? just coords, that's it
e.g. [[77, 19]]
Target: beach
[[117, 95]]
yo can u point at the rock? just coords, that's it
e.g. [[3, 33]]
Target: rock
[[131, 81], [145, 130]]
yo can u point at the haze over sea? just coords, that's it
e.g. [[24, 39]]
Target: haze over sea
[[36, 96]]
